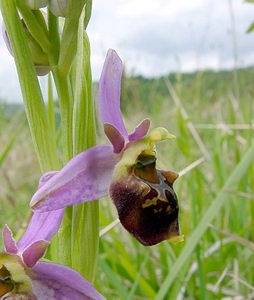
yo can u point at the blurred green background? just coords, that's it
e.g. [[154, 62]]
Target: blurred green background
[[212, 116]]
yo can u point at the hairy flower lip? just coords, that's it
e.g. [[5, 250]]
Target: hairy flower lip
[[145, 200]]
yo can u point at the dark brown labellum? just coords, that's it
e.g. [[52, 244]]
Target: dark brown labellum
[[146, 202]]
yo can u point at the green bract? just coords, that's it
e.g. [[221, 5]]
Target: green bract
[[39, 57]]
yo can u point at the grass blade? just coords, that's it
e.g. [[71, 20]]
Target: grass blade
[[212, 211]]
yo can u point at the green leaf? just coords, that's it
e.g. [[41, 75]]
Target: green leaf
[[85, 229], [114, 279], [136, 277]]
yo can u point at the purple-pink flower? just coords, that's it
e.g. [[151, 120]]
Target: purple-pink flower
[[24, 276], [144, 197]]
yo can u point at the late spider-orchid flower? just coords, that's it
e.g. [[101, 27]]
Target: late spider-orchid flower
[[23, 276], [144, 197]]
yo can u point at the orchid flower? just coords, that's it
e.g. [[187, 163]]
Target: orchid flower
[[144, 197], [23, 276]]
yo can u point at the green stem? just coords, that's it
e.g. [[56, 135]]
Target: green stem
[[44, 143], [85, 218], [51, 108], [64, 92], [61, 244], [60, 249]]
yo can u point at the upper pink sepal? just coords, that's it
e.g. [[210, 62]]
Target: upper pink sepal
[[110, 91]]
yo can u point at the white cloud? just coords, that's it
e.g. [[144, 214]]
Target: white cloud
[[149, 35], [153, 36]]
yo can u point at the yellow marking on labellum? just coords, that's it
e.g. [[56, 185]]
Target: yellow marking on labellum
[[169, 210], [157, 210], [150, 202]]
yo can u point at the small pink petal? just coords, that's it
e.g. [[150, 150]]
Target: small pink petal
[[34, 252], [140, 131], [9, 242], [115, 137]]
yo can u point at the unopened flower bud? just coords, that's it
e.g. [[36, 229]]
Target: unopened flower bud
[[40, 58], [59, 8], [36, 4]]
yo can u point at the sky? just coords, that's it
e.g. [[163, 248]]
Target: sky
[[155, 37]]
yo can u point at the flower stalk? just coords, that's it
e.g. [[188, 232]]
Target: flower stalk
[[85, 226], [68, 57]]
